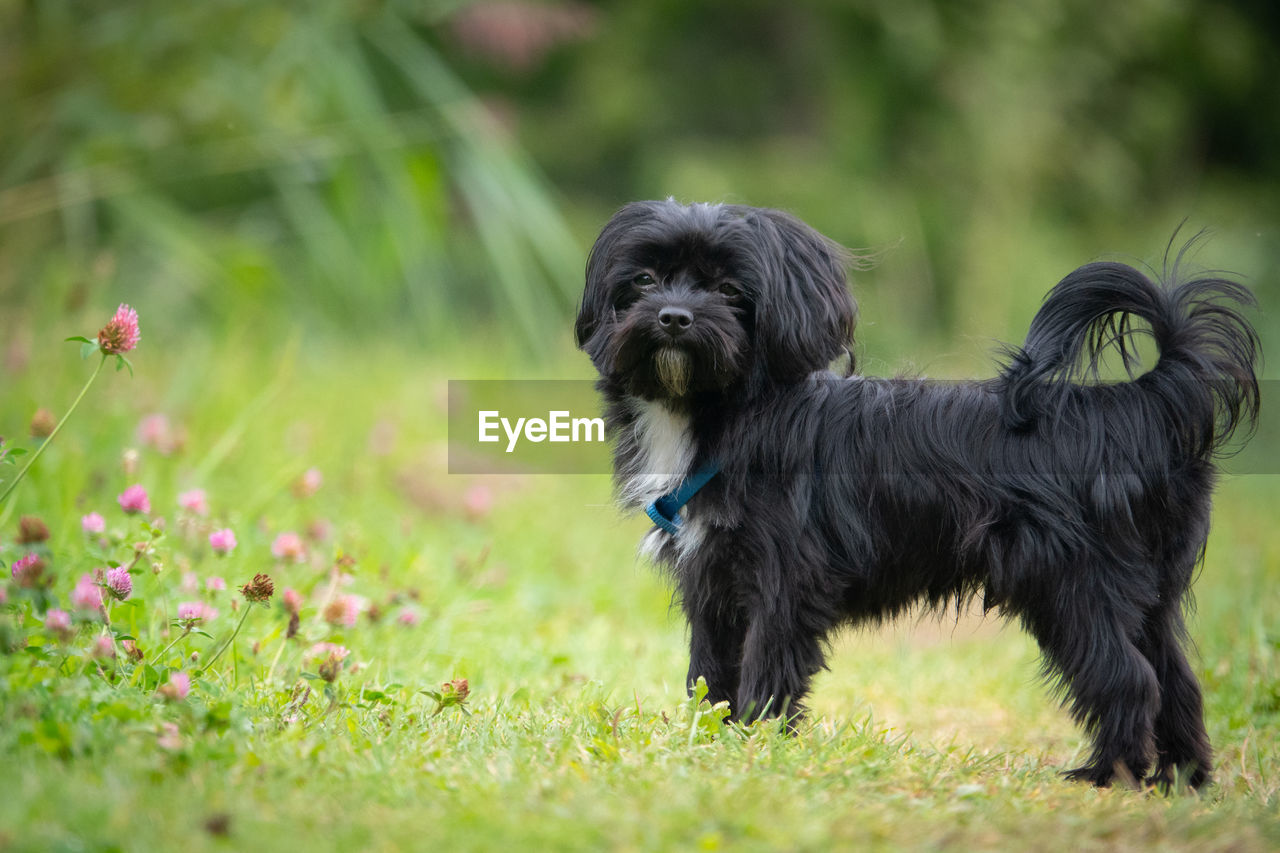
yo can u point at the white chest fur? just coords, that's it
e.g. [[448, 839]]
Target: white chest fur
[[663, 453]]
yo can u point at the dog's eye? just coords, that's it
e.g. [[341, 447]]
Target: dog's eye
[[729, 290], [643, 280]]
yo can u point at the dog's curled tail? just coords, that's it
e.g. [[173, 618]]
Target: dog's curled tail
[[1205, 374]]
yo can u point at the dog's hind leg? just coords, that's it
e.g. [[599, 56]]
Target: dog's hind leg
[[780, 656], [1112, 690], [1183, 753]]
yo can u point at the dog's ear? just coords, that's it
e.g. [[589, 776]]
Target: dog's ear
[[596, 298], [804, 314]]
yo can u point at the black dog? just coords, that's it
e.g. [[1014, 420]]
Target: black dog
[[815, 500]]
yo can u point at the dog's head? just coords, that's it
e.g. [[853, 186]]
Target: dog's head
[[684, 299]]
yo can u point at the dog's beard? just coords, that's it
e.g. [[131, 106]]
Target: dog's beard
[[674, 368]]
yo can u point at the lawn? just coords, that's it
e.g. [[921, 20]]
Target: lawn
[[572, 729]]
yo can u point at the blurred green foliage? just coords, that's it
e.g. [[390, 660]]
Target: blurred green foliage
[[234, 157], [989, 146], [358, 165]]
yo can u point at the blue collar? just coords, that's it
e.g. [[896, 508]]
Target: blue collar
[[665, 511]]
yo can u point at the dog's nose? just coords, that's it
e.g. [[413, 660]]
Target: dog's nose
[[675, 321]]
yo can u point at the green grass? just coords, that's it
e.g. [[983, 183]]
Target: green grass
[[577, 734]]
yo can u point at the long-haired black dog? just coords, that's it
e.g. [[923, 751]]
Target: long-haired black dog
[[789, 501]]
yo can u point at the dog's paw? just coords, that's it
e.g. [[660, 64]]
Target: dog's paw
[[1171, 779], [1103, 776]]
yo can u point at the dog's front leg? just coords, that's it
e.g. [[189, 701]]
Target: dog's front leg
[[715, 651]]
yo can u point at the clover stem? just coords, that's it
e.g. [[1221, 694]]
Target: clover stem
[[165, 650], [49, 440], [229, 641], [271, 670]]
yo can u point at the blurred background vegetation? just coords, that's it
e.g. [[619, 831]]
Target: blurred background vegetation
[[434, 171]]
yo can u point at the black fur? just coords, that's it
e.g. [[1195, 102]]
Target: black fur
[[1080, 507]]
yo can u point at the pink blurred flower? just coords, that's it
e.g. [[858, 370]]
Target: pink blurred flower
[[169, 738], [344, 610], [292, 600], [324, 650], [177, 687], [28, 571], [454, 692], [215, 584], [4, 595], [134, 499], [193, 613], [478, 502], [330, 657], [121, 333], [156, 432], [190, 583], [222, 541], [288, 546], [58, 622], [103, 648], [309, 483], [119, 583], [92, 524], [194, 501], [319, 529], [87, 595], [408, 617], [518, 36]]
